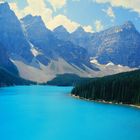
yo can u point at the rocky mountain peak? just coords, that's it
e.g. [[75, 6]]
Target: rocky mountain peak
[[79, 30], [60, 29], [29, 19], [35, 23], [129, 25], [4, 7]]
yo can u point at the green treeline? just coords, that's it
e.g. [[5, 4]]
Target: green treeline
[[119, 88], [66, 80], [8, 79]]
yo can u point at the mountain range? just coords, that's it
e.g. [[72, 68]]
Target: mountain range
[[30, 50], [119, 44]]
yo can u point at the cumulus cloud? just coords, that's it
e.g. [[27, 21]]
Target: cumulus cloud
[[99, 26], [40, 8], [63, 20], [109, 12], [88, 28], [34, 8], [15, 8], [57, 4], [129, 4], [67, 23]]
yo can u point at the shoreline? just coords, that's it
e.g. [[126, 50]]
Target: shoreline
[[105, 102]]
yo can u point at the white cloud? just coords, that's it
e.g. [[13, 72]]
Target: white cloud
[[88, 28], [14, 7], [34, 8], [67, 23], [57, 4], [99, 26], [62, 20], [129, 4], [40, 8], [109, 12]]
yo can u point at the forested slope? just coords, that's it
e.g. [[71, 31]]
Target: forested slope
[[119, 88], [66, 80], [8, 79]]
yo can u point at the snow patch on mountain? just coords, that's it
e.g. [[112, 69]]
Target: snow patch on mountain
[[109, 69], [34, 50], [110, 64], [117, 30]]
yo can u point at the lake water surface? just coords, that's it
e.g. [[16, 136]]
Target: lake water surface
[[49, 113]]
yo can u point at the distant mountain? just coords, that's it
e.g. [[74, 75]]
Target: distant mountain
[[30, 50], [44, 40], [78, 37], [76, 58], [121, 88], [119, 44], [61, 33]]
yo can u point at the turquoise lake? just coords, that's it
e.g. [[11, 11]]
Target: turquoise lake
[[50, 113]]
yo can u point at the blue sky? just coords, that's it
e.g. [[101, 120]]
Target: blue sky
[[92, 15]]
